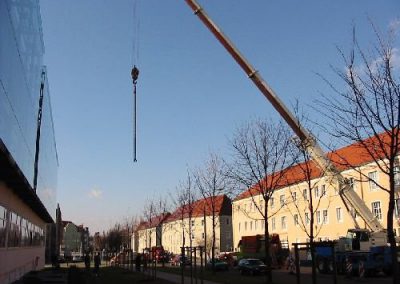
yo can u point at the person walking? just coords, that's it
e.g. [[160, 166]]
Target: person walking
[[97, 264]]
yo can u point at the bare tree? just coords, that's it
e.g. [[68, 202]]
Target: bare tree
[[261, 155], [211, 182], [183, 199], [366, 112], [307, 210]]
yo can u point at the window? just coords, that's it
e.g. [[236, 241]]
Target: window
[[307, 218], [372, 179], [294, 196], [239, 226], [192, 236], [3, 226], [305, 194], [396, 208], [202, 222], [283, 222], [318, 215], [273, 227], [272, 202], [325, 216], [245, 226], [376, 209], [255, 225], [339, 214], [323, 190], [202, 234], [296, 219], [262, 225], [251, 225], [316, 191], [351, 183], [396, 171], [192, 223], [282, 200]]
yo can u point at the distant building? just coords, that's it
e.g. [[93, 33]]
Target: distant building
[[150, 232], [197, 219], [28, 175], [75, 240]]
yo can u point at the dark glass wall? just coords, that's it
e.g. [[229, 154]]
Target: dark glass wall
[[21, 65]]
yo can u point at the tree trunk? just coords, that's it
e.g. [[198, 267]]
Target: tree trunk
[[267, 245], [390, 232], [213, 244]]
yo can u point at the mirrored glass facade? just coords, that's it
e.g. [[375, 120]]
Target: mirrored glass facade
[[21, 65]]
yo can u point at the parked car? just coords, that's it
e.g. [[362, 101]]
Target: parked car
[[180, 260], [251, 266], [220, 265]]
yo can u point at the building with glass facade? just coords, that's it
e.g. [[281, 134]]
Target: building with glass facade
[[27, 196]]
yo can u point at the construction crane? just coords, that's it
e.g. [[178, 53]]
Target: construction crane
[[378, 232]]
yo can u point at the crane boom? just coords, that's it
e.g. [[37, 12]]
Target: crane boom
[[307, 140]]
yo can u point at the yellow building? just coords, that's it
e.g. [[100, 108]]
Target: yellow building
[[149, 233], [192, 225], [288, 207]]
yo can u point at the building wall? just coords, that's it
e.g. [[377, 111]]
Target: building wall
[[247, 220], [147, 239], [16, 260], [175, 231], [72, 239]]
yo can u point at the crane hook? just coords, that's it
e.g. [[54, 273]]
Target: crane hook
[[135, 74]]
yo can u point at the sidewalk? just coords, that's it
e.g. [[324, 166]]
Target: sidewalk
[[176, 278]]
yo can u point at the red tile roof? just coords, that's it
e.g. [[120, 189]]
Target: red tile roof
[[221, 206], [353, 155], [154, 222]]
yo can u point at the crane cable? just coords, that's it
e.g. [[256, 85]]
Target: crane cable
[[135, 73]]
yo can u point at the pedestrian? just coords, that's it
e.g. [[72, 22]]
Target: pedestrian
[[138, 262], [97, 263], [87, 261]]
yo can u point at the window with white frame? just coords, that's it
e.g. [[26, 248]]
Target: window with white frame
[[262, 225], [251, 225], [307, 218], [325, 216], [245, 226], [376, 209], [397, 207], [273, 225], [323, 190], [296, 219], [305, 194], [316, 192], [339, 214], [372, 180], [282, 200], [318, 215], [294, 196], [272, 202], [283, 223], [396, 171], [255, 224]]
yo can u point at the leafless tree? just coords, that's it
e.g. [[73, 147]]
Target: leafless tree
[[211, 182], [305, 211], [366, 112], [183, 199], [261, 155]]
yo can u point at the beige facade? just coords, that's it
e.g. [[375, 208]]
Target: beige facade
[[147, 238], [176, 233], [194, 226], [288, 208], [19, 254]]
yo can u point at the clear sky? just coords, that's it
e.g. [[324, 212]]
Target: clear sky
[[191, 94]]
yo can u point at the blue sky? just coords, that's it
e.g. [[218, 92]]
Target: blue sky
[[191, 94]]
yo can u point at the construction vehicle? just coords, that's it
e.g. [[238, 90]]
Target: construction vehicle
[[253, 247], [363, 240]]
